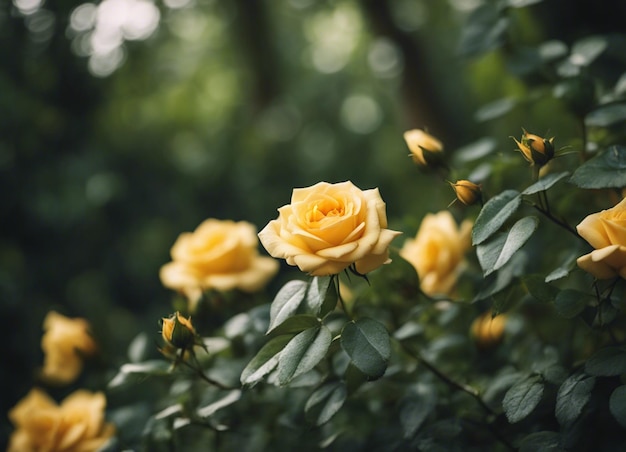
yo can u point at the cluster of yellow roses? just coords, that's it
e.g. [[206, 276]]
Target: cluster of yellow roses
[[326, 229], [78, 423], [329, 227]]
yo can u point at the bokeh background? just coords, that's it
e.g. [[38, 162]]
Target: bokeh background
[[126, 122]]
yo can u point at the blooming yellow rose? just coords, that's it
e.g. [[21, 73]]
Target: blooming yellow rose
[[606, 232], [419, 143], [219, 254], [437, 252], [77, 425], [65, 343], [328, 227]]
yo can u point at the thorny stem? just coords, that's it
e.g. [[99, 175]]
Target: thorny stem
[[557, 221], [466, 389], [335, 280], [455, 384], [197, 368]]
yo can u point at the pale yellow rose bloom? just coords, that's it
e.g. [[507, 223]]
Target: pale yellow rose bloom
[[419, 142], [65, 343], [438, 252], [606, 232], [328, 227], [77, 425], [220, 255]]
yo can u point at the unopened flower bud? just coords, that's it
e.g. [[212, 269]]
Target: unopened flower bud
[[467, 192], [425, 148], [178, 331], [535, 149], [487, 330]]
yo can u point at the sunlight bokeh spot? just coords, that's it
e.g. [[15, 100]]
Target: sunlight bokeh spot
[[361, 114]]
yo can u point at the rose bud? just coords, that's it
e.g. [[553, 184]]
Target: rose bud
[[425, 149], [487, 331], [535, 149], [467, 192], [178, 331]]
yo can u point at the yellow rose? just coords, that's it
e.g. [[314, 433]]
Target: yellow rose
[[77, 425], [178, 331], [535, 149], [419, 143], [65, 342], [487, 330], [606, 232], [437, 252], [328, 227], [219, 254]]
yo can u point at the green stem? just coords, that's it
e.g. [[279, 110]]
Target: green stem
[[468, 390], [455, 384], [335, 281], [558, 221], [197, 368]]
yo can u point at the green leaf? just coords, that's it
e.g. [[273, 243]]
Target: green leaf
[[353, 377], [522, 398], [617, 405], [501, 251], [286, 302], [494, 214], [317, 293], [607, 362], [538, 288], [587, 49], [324, 403], [224, 401], [569, 302], [606, 116], [295, 324], [142, 369], [489, 251], [572, 397], [605, 170], [545, 182], [366, 342], [497, 282], [484, 30], [475, 151], [303, 353], [264, 361], [521, 3], [415, 408], [544, 441]]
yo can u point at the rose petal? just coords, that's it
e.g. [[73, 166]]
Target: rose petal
[[600, 270]]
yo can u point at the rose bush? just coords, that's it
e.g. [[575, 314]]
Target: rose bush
[[328, 227], [65, 343], [606, 232], [220, 255], [76, 425], [437, 251]]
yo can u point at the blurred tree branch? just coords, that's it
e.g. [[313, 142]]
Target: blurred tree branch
[[253, 31], [423, 106]]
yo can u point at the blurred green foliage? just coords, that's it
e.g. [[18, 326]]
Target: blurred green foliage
[[228, 105]]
